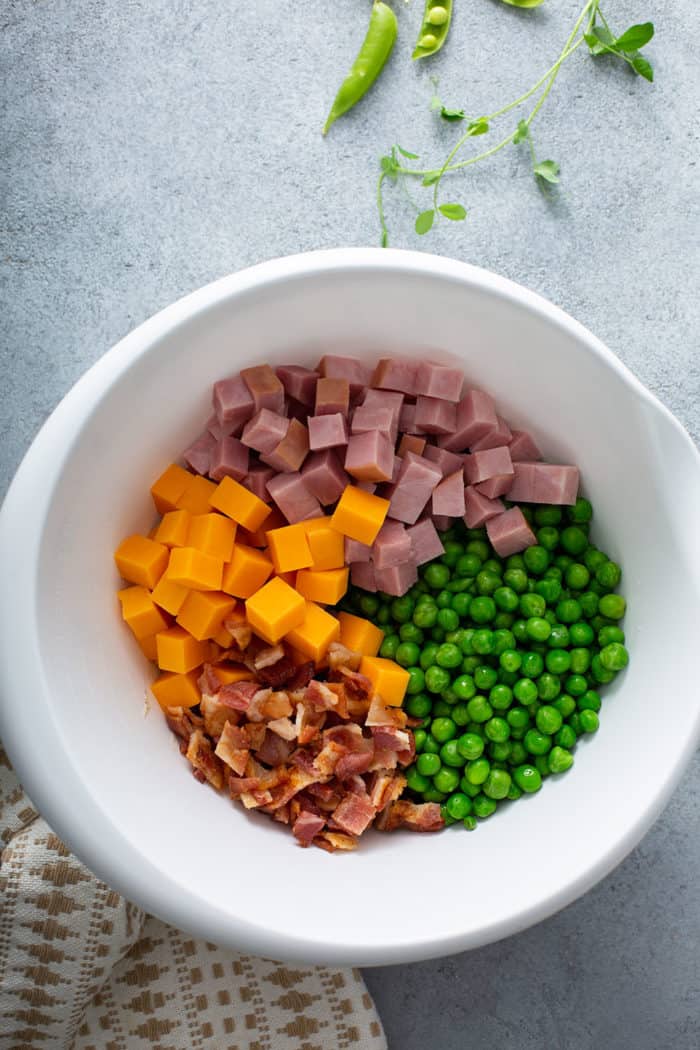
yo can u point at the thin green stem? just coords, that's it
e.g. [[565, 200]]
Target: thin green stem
[[380, 208]]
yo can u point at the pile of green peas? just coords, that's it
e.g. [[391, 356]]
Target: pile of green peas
[[505, 657]]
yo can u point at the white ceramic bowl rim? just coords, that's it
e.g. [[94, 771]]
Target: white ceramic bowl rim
[[29, 729]]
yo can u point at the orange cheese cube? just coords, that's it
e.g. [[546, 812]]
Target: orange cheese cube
[[203, 613], [274, 610], [178, 651], [141, 561], [235, 501], [140, 612], [149, 647], [360, 635], [326, 544], [388, 679], [173, 528], [176, 690], [359, 514], [325, 587], [166, 491], [197, 494], [224, 638], [212, 533], [195, 569], [274, 520], [315, 633], [288, 548], [227, 673], [169, 595], [246, 572]]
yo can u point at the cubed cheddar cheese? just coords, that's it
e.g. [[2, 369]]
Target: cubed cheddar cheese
[[228, 673], [326, 544], [166, 491], [140, 612], [195, 569], [274, 610], [360, 635], [149, 647], [315, 633], [274, 520], [223, 637], [169, 595], [212, 533], [178, 651], [237, 502], [176, 690], [141, 561], [325, 587], [197, 495], [288, 548], [203, 613], [173, 528], [388, 679], [359, 514], [246, 572]]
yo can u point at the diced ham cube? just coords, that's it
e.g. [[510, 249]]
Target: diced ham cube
[[233, 404], [396, 373], [198, 455], [357, 373], [370, 457], [435, 415], [375, 417], [398, 462], [476, 416], [397, 579], [324, 476], [384, 399], [257, 478], [332, 395], [509, 532], [417, 479], [447, 462], [367, 486], [496, 486], [229, 460], [425, 542], [362, 575], [356, 551], [478, 509], [298, 382], [500, 435], [293, 498], [411, 443], [214, 427], [448, 496], [439, 381], [291, 452], [442, 522], [327, 432], [491, 463], [392, 546], [265, 431], [407, 419], [266, 389], [544, 483], [523, 448]]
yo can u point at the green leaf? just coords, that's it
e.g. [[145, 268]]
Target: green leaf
[[547, 170], [456, 212], [389, 166], [452, 114], [425, 221], [478, 127], [600, 40], [405, 153], [644, 68], [431, 178], [522, 133], [524, 3], [635, 37]]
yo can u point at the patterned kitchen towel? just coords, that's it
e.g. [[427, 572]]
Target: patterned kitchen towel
[[83, 969]]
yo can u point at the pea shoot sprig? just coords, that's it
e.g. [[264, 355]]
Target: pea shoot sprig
[[590, 29]]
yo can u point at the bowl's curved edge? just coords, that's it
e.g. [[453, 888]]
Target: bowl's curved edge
[[48, 784]]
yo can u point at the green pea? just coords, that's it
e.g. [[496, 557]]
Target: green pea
[[484, 806], [470, 664], [525, 691], [518, 718], [527, 778], [448, 655], [559, 636], [548, 720], [547, 538], [506, 598], [590, 701], [468, 565], [431, 746], [470, 823], [453, 551], [589, 603], [549, 589], [425, 615], [532, 665], [573, 539], [575, 722], [500, 752], [536, 742], [542, 765], [562, 562], [497, 730], [482, 641], [565, 705], [581, 512], [482, 609], [460, 714], [436, 679], [510, 660], [532, 605], [548, 687], [416, 681], [568, 611], [443, 729], [479, 708], [461, 603], [428, 764], [408, 632], [520, 631], [538, 628], [613, 606], [443, 600], [516, 580], [576, 685], [446, 780], [436, 575], [464, 687], [419, 706], [557, 661], [536, 559], [485, 677], [389, 646], [609, 634], [548, 515], [451, 755], [501, 697], [580, 660], [497, 784], [577, 576], [593, 558], [433, 795], [416, 781], [608, 575], [581, 633], [427, 656], [559, 760], [383, 616], [470, 746], [407, 654], [589, 721], [459, 805], [565, 738], [448, 619]]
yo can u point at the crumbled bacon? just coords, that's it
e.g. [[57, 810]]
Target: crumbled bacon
[[320, 696], [266, 657], [209, 682], [385, 788], [306, 827], [202, 757], [335, 840], [233, 747], [340, 656], [237, 695], [182, 722], [415, 816], [277, 674], [358, 686], [354, 814], [274, 751], [240, 632], [216, 715], [303, 674], [284, 727], [380, 714]]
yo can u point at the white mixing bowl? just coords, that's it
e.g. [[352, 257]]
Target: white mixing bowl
[[107, 774]]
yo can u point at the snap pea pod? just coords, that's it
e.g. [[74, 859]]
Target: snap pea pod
[[435, 27], [376, 48]]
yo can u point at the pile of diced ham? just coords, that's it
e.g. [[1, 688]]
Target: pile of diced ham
[[406, 430], [323, 757]]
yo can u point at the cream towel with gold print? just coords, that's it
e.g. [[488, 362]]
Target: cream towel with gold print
[[83, 969]]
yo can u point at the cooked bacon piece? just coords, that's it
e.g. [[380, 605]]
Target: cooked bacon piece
[[200, 754], [256, 733], [320, 696], [349, 765], [284, 727], [303, 674], [391, 738], [424, 816], [281, 814], [291, 782], [183, 722], [306, 826], [209, 682], [255, 799], [303, 758], [216, 715], [385, 788], [277, 705], [240, 631], [355, 813], [383, 760], [308, 723], [274, 751], [277, 674], [357, 686], [357, 710], [266, 657], [340, 656], [237, 695], [327, 759], [255, 710], [234, 747], [333, 841], [380, 714]]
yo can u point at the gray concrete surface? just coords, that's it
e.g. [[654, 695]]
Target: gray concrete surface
[[150, 147]]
